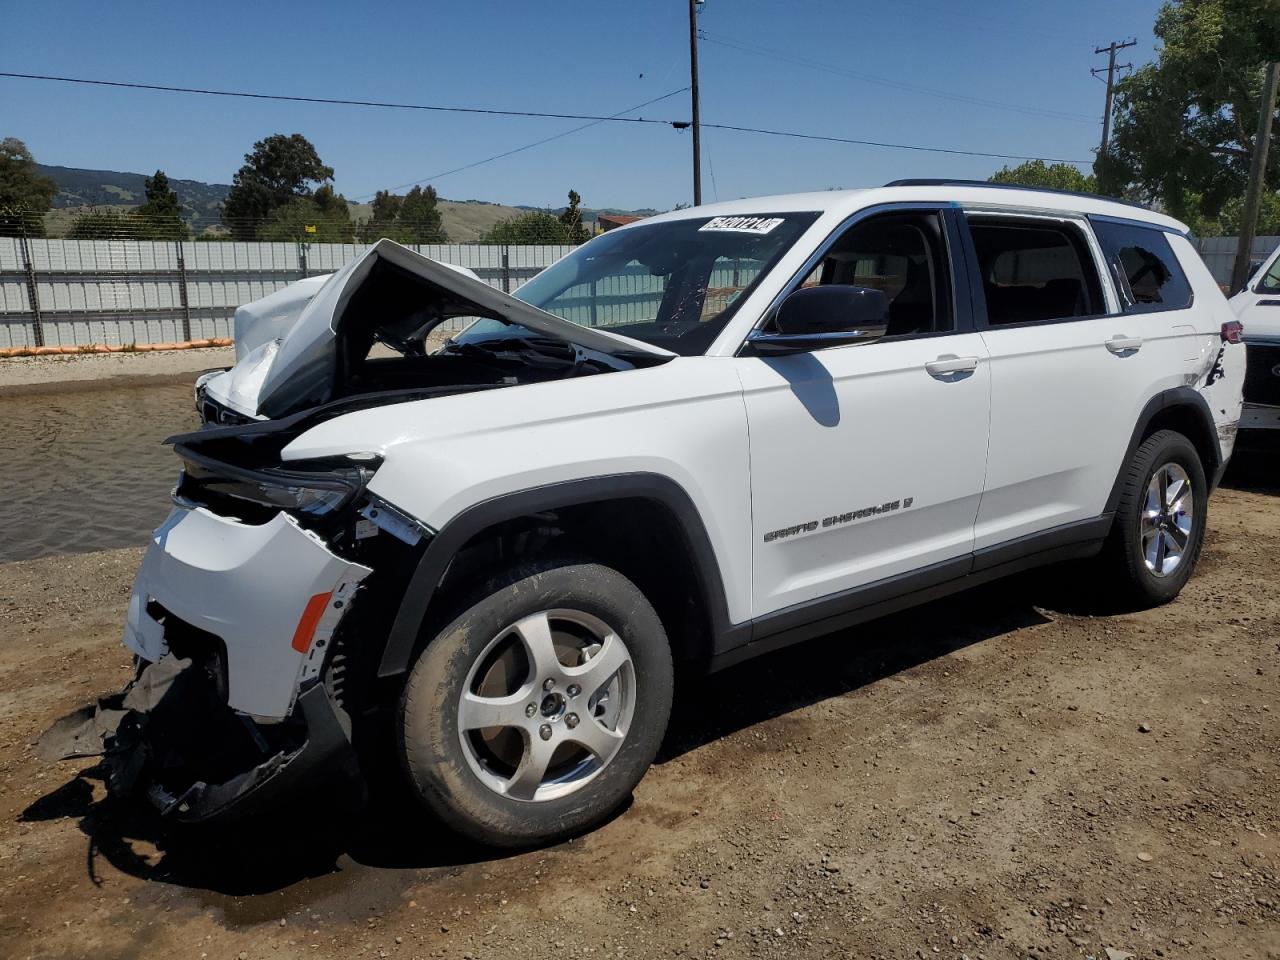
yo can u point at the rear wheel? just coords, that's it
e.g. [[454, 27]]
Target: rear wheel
[[1160, 521], [535, 712]]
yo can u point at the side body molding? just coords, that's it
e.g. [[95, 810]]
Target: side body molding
[[403, 637]]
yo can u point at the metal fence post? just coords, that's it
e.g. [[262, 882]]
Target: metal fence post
[[33, 293], [302, 260], [182, 292], [506, 270]]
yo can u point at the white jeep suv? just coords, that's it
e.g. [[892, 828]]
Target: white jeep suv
[[694, 439], [1258, 307]]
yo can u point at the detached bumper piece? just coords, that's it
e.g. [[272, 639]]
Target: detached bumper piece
[[169, 738]]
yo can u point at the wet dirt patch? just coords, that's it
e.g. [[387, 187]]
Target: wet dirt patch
[[86, 469]]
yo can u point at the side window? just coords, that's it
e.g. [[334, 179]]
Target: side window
[[1270, 282], [1034, 270], [903, 255], [1147, 272]]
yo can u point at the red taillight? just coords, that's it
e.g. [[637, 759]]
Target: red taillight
[[1232, 331]]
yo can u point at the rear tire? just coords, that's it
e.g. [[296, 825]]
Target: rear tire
[[1159, 525], [536, 711]]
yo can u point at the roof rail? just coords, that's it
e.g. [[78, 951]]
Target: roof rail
[[943, 182]]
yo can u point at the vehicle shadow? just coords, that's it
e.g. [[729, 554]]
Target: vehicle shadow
[[1255, 466], [710, 707], [324, 834]]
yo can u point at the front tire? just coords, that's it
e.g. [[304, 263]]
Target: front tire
[[536, 711], [1160, 522]]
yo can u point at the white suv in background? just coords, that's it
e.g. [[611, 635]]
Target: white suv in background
[[1258, 307], [701, 437]]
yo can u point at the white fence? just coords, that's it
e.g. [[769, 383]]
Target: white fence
[[1220, 254], [117, 292]]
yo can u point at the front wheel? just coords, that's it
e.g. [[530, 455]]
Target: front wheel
[[1160, 521], [534, 714]]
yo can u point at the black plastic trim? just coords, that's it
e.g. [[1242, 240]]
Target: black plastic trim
[[804, 621], [403, 638]]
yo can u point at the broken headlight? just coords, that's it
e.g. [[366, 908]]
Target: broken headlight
[[309, 489]]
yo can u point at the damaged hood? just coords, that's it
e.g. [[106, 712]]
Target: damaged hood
[[301, 367]]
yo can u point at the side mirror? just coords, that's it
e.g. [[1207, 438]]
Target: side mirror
[[814, 317]]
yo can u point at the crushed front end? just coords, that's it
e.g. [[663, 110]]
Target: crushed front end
[[248, 617]]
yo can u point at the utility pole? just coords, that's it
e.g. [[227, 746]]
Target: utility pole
[[697, 113], [1257, 167], [1111, 49]]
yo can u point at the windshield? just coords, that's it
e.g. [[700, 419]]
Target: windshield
[[673, 285]]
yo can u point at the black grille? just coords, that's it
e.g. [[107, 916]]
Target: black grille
[[1262, 379]]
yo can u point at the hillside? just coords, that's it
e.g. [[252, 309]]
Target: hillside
[[102, 188], [81, 189]]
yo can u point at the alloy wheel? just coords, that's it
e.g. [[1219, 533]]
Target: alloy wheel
[[1168, 516], [546, 705]]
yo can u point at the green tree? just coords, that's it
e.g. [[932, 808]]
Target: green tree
[[108, 224], [1185, 125], [413, 218], [571, 217], [25, 195], [162, 213], [536, 226], [382, 220], [1037, 173], [326, 211], [420, 218], [280, 170]]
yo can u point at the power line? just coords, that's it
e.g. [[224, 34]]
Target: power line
[[593, 118], [527, 146], [752, 48], [335, 101], [890, 146]]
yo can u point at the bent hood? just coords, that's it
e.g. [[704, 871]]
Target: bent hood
[[304, 367]]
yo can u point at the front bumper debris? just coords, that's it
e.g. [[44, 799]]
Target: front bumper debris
[[169, 739], [233, 624], [209, 581]]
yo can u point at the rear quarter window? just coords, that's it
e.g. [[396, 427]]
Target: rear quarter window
[[1146, 271]]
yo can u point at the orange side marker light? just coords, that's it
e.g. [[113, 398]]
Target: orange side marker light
[[309, 620]]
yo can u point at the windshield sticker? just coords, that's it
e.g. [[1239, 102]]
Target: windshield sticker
[[757, 225]]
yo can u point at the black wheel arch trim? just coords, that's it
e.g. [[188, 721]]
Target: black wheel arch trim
[[1176, 397], [403, 638]]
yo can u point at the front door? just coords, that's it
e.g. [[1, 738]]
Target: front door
[[867, 461]]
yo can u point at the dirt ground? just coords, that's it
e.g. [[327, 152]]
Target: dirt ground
[[1003, 774]]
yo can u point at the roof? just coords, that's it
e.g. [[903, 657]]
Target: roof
[[842, 203]]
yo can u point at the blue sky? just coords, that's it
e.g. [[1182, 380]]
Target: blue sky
[[595, 57]]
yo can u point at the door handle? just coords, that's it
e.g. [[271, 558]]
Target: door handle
[[1122, 344], [950, 367]]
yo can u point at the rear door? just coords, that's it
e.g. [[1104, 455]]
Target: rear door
[[1070, 371]]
